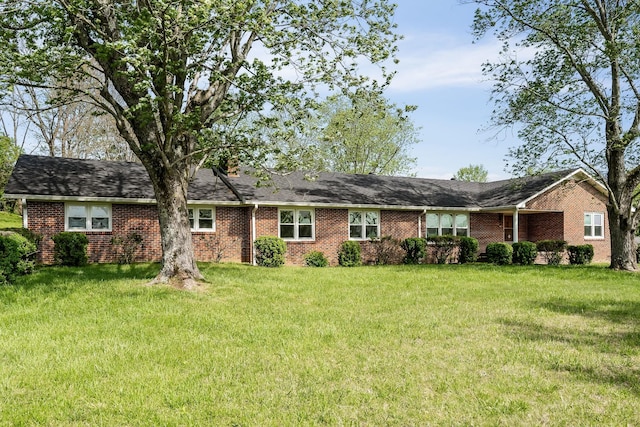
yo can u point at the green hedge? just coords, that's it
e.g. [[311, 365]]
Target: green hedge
[[468, 251], [70, 248], [16, 256], [270, 251], [499, 253], [415, 250], [524, 253], [580, 254], [315, 259], [349, 254], [552, 250], [443, 247]]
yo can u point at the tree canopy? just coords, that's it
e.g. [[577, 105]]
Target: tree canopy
[[179, 76], [569, 80], [472, 173]]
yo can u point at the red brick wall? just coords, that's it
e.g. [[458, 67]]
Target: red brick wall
[[487, 228]]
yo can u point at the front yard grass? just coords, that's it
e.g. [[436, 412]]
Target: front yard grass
[[401, 345], [10, 220]]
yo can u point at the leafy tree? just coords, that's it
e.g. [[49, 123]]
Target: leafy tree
[[179, 76], [573, 89], [9, 153], [472, 173]]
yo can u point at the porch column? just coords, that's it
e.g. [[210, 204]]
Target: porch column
[[515, 226]]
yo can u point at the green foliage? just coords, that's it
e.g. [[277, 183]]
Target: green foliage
[[472, 173], [580, 254], [126, 247], [9, 153], [499, 253], [10, 220], [415, 250], [270, 251], [30, 235], [468, 249], [16, 256], [524, 253], [315, 259], [552, 250], [442, 247], [349, 254], [70, 248]]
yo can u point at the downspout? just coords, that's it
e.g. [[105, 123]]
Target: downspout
[[424, 212], [253, 234], [25, 219]]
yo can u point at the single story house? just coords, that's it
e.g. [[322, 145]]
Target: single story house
[[105, 199]]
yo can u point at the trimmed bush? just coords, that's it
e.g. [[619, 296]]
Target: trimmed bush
[[552, 250], [499, 253], [270, 251], [580, 254], [70, 248], [315, 259], [443, 247], [468, 251], [387, 250], [16, 256], [31, 236], [349, 254], [415, 250], [524, 253]]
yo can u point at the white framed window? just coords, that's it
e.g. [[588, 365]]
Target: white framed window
[[447, 224], [364, 225], [202, 218], [296, 224], [593, 225], [87, 217]]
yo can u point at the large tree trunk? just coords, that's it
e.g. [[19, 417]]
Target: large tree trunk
[[178, 261]]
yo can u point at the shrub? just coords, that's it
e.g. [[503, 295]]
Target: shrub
[[387, 250], [415, 250], [443, 247], [31, 236], [270, 251], [16, 256], [552, 250], [524, 253], [349, 254], [126, 247], [468, 251], [70, 248], [580, 254], [315, 259], [499, 253]]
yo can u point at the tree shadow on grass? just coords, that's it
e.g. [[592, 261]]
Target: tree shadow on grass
[[617, 335]]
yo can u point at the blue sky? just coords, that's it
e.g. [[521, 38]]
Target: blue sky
[[440, 72]]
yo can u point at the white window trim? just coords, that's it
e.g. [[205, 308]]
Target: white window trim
[[454, 227], [593, 215], [296, 225], [196, 216], [87, 210], [363, 225]]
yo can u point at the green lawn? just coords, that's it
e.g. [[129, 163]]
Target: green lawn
[[406, 345], [9, 220]]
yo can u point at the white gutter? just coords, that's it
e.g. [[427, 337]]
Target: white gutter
[[253, 234]]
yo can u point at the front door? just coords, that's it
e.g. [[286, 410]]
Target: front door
[[508, 228]]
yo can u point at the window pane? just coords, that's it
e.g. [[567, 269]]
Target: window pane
[[597, 219], [355, 218], [447, 231], [204, 223], [432, 232], [77, 211], [305, 231], [191, 218], [286, 232], [587, 220], [99, 223], [372, 218], [461, 231], [304, 217], [372, 231], [597, 231], [286, 217], [205, 213], [355, 232], [77, 222], [446, 221], [100, 212], [587, 231], [432, 222], [461, 221]]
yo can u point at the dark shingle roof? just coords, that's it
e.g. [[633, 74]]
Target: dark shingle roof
[[61, 177]]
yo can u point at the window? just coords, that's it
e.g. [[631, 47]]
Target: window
[[364, 225], [447, 224], [297, 224], [87, 217], [593, 225], [202, 219]]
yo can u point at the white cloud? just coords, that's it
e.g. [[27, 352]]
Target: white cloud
[[431, 61]]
